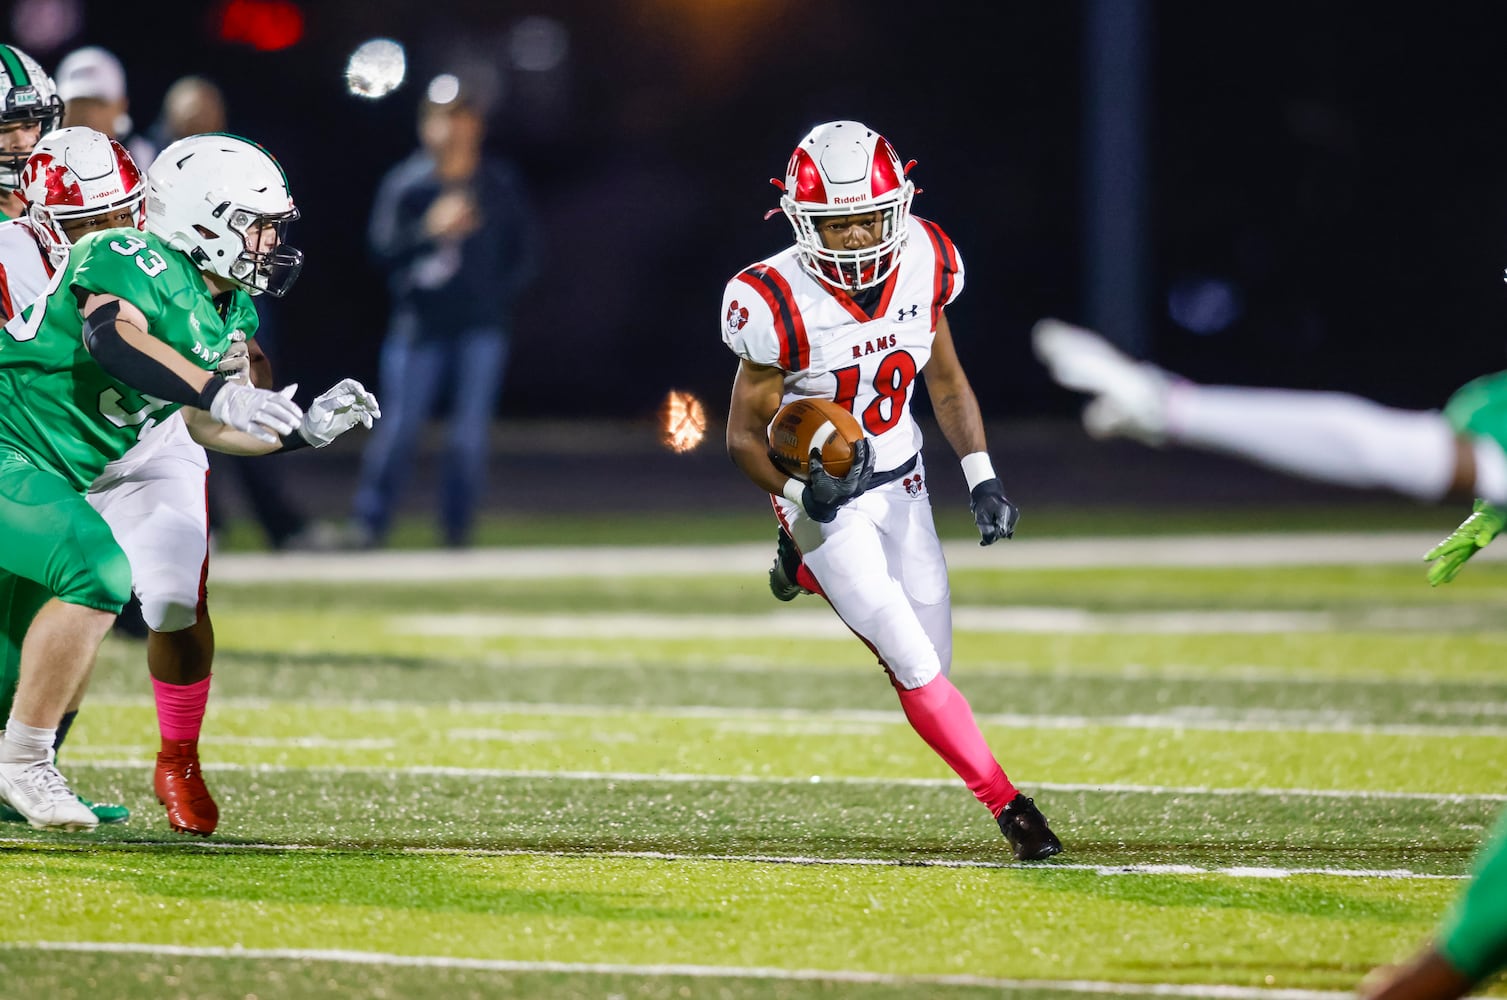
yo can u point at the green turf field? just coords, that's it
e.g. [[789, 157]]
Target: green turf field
[[1268, 781]]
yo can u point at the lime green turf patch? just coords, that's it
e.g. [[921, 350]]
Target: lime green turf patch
[[877, 821], [1165, 928], [763, 744]]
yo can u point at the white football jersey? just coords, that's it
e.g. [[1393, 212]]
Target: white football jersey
[[776, 313], [24, 268], [25, 273]]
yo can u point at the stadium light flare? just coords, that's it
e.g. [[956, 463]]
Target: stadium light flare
[[682, 421], [443, 89], [376, 68]]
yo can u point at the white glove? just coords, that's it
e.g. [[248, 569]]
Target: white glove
[[235, 365], [339, 408], [262, 413]]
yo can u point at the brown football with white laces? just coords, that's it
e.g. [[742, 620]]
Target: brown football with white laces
[[805, 425]]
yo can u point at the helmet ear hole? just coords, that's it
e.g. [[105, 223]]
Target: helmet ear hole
[[208, 234]]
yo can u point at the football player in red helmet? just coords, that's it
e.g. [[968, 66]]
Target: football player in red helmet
[[853, 312], [82, 227]]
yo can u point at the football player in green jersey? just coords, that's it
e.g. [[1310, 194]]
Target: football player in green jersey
[[29, 109], [131, 330], [1430, 455], [1457, 453]]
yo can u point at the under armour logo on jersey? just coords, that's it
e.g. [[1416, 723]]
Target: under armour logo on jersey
[[907, 312], [913, 484]]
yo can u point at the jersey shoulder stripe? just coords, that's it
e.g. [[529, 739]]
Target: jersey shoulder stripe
[[944, 276], [795, 346]]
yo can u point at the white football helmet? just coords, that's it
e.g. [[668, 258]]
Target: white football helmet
[[74, 174], [846, 168], [27, 97], [214, 196]]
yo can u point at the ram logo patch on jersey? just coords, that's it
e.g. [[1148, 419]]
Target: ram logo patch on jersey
[[737, 317]]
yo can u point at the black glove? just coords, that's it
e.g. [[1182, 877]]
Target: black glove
[[993, 512], [825, 493]]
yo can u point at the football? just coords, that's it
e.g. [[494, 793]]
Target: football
[[804, 425]]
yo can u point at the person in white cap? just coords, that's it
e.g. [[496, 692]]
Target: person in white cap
[[92, 84]]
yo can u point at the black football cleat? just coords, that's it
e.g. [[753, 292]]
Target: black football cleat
[[787, 562], [1026, 829]]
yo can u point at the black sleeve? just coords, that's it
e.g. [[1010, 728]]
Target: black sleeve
[[136, 369]]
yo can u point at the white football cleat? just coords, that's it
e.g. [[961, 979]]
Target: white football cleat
[[39, 792], [1130, 396]]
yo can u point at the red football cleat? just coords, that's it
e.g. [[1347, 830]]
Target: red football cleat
[[179, 783]]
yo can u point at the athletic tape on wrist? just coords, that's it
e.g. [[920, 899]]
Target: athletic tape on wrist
[[793, 491], [977, 469]]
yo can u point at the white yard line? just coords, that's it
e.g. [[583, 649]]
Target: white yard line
[[696, 971], [816, 621], [78, 762], [1240, 871], [424, 566]]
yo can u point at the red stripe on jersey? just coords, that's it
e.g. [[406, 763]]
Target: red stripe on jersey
[[947, 266], [202, 607], [795, 348], [7, 307]]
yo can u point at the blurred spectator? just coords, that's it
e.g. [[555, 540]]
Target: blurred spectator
[[92, 84], [453, 229], [193, 105]]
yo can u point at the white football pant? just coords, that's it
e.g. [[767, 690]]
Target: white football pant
[[160, 517], [880, 563]]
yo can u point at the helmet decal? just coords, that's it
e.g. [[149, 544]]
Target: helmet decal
[[76, 174], [843, 169]]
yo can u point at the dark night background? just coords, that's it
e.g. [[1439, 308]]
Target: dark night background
[[1325, 179]]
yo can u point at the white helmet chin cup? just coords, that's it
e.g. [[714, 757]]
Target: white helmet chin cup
[[216, 197], [841, 169], [75, 174]]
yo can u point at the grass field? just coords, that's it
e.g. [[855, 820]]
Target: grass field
[[656, 784]]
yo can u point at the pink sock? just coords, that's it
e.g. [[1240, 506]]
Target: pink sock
[[940, 714], [180, 708]]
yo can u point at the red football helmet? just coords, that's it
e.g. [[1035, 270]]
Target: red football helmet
[[75, 174], [845, 168]]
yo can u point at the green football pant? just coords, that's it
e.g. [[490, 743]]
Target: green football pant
[[54, 545]]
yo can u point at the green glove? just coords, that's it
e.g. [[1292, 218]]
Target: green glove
[[1475, 532]]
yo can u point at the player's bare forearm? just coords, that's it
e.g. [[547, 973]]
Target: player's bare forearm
[[210, 433], [952, 400], [757, 390], [957, 412], [261, 365]]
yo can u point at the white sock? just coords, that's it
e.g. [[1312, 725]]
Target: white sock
[[25, 743], [1328, 436]]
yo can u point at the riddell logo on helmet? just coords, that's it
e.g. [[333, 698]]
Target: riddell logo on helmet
[[849, 199]]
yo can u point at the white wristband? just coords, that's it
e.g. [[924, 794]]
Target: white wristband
[[977, 468], [793, 491]]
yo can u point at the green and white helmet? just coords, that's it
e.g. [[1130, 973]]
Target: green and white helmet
[[215, 196], [27, 97]]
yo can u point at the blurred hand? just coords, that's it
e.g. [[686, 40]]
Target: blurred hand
[[1473, 534], [453, 216]]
